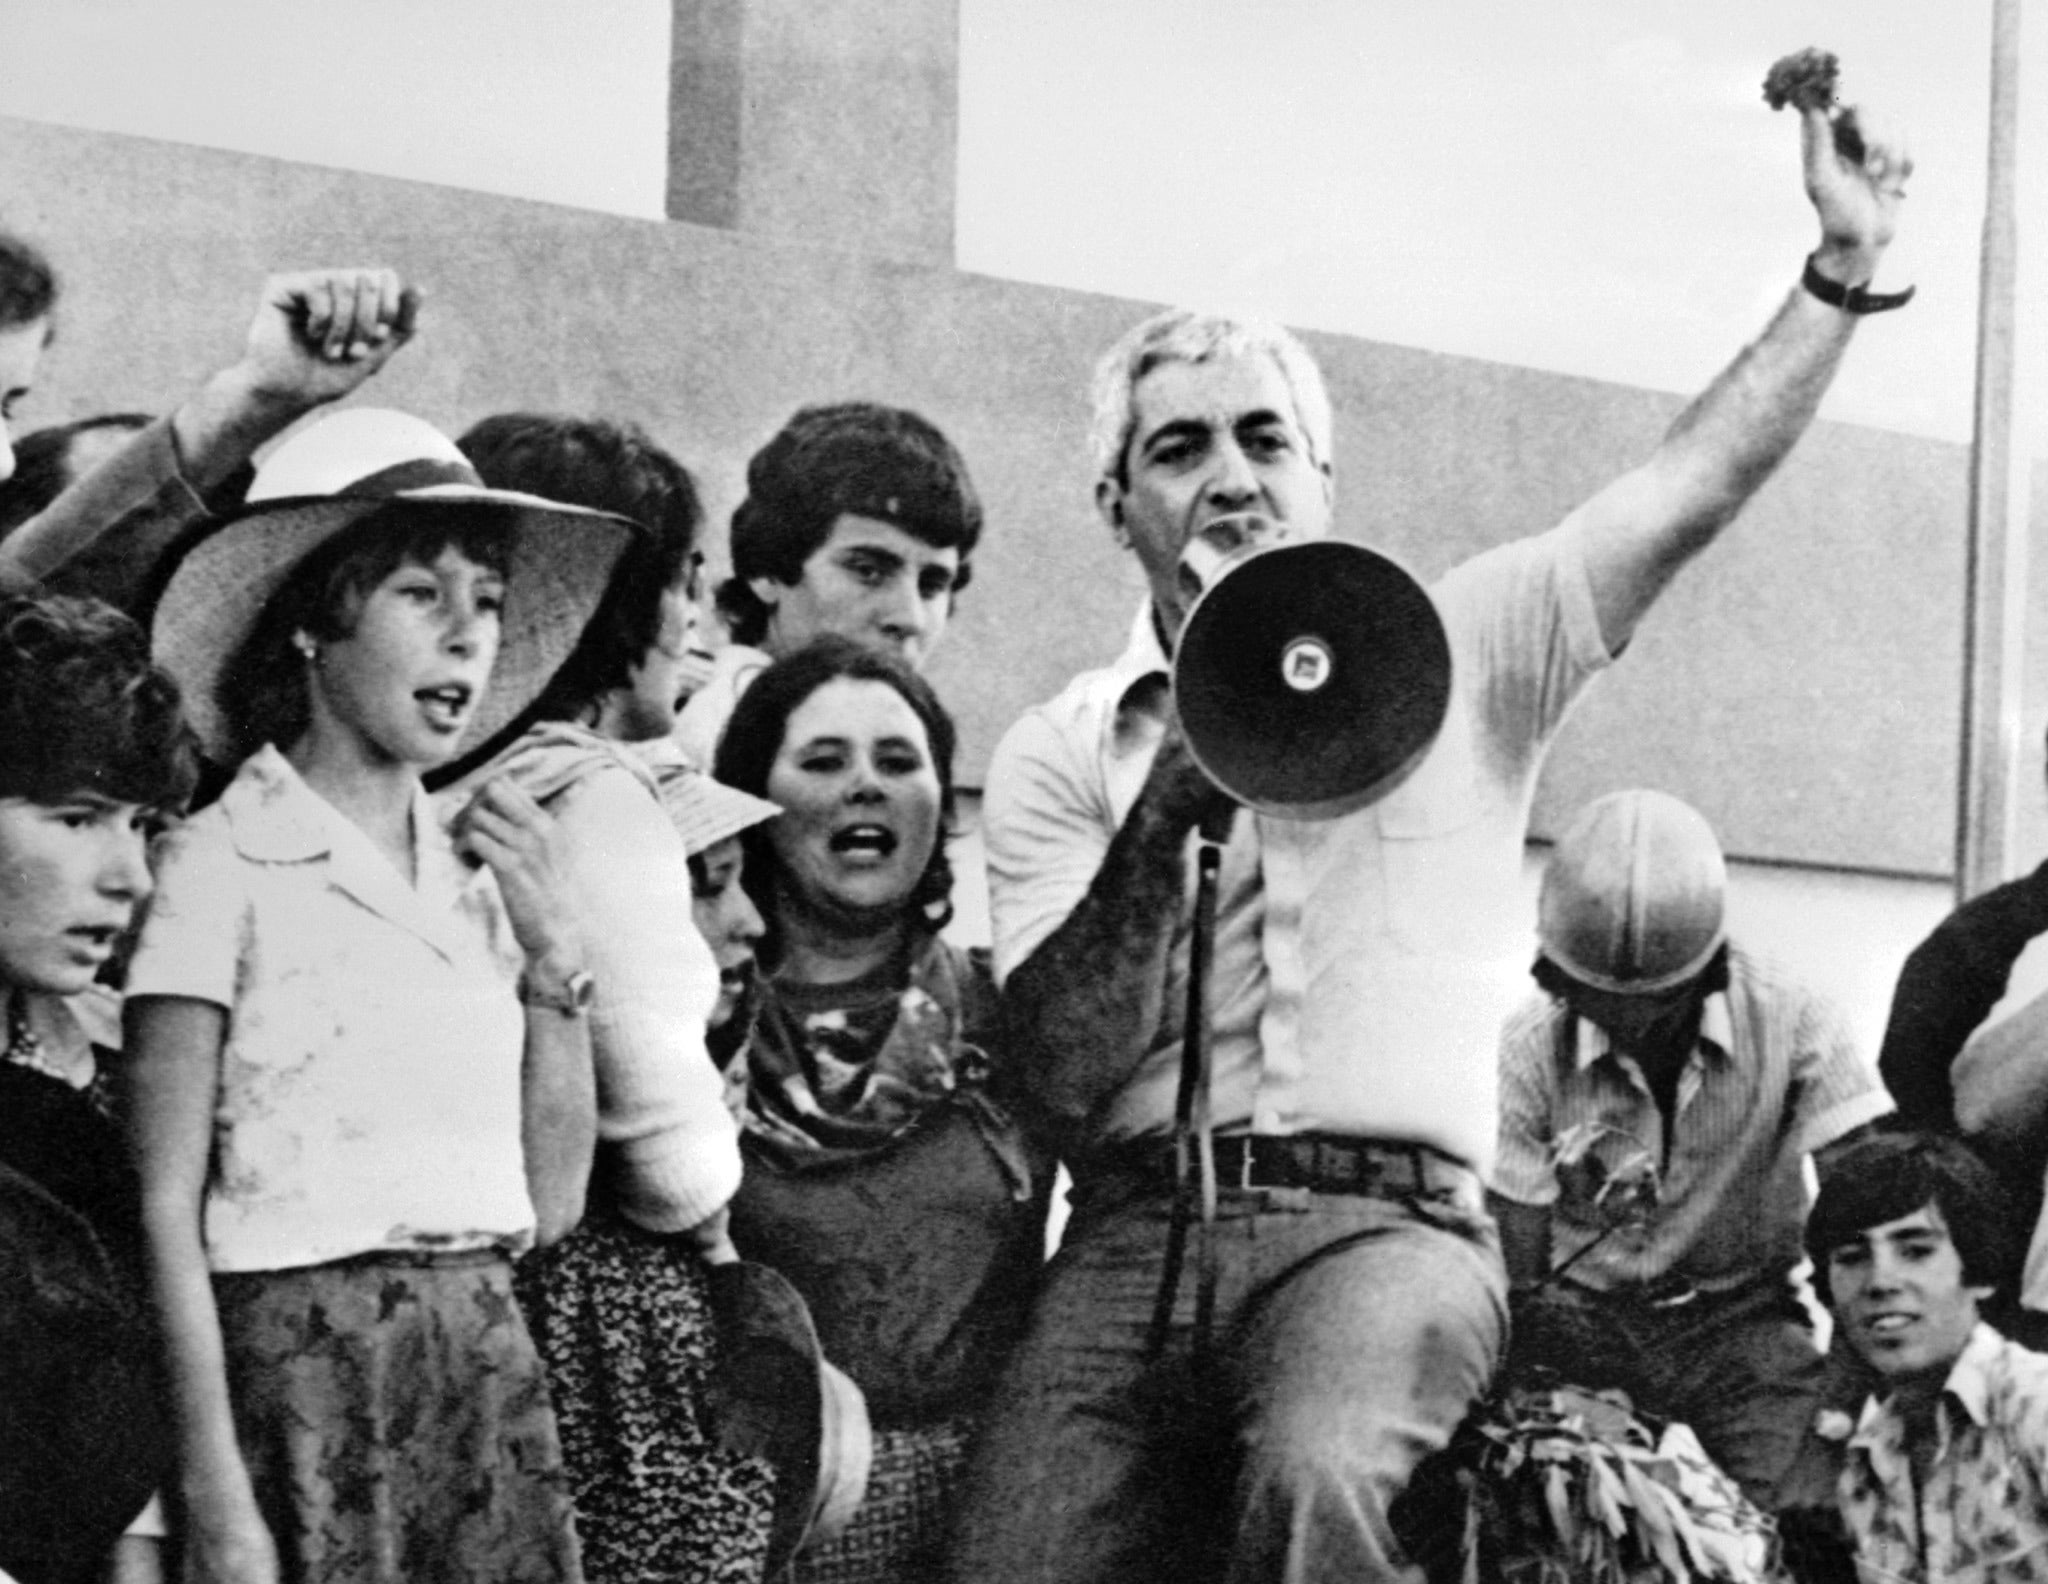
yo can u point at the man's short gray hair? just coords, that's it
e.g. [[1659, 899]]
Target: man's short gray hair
[[1182, 335]]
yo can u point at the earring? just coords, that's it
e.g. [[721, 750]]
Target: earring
[[307, 648]]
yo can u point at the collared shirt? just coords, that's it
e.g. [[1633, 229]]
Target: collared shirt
[[1363, 965], [1981, 1514], [1773, 1077], [370, 1083]]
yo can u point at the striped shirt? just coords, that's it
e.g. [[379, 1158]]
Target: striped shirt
[[1773, 1077]]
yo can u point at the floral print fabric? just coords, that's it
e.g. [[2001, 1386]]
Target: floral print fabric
[[1981, 1513], [395, 1423], [624, 1324]]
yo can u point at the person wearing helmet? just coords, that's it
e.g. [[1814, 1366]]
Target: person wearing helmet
[[1658, 1101]]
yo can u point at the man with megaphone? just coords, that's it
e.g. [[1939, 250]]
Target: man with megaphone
[[1350, 1284]]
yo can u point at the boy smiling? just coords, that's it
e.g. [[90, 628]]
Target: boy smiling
[[1946, 1476]]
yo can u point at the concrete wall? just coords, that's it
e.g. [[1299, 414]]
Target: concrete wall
[[1799, 686], [805, 122]]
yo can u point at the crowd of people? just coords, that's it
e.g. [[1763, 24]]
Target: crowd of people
[[490, 1094]]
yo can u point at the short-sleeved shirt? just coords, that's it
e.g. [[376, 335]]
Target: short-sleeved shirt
[[370, 1083], [1363, 965], [1774, 1076], [1981, 1515]]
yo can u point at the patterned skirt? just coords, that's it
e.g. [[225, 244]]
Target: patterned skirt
[[623, 1322], [395, 1423], [897, 1534]]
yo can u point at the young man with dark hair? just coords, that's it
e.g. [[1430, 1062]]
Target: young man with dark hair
[[1946, 1477], [859, 520]]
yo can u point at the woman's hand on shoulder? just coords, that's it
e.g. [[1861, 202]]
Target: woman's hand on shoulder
[[522, 844]]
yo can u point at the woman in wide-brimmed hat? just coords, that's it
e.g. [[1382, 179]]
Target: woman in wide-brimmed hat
[[360, 1051]]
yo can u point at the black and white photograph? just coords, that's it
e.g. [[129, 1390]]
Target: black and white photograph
[[1023, 792]]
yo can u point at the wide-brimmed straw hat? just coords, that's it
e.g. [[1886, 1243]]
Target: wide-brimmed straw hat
[[776, 1397], [323, 480]]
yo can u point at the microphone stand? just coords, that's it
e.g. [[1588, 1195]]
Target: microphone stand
[[1194, 1148]]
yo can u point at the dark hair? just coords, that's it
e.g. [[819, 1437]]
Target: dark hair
[[608, 467], [261, 691], [28, 286], [42, 465], [83, 709], [852, 457], [753, 738], [1893, 1174]]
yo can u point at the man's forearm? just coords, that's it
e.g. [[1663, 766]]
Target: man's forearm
[[1649, 523], [1733, 435], [221, 425], [1083, 1007]]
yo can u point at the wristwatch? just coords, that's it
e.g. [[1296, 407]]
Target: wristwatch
[[572, 999]]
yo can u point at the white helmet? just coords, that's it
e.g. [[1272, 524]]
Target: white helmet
[[1634, 896]]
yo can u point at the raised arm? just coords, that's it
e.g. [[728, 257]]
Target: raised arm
[[1647, 524], [1083, 1007], [173, 1045], [316, 336]]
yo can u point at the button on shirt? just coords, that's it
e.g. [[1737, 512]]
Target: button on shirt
[[370, 1083], [1363, 965], [1981, 1515], [1774, 1076]]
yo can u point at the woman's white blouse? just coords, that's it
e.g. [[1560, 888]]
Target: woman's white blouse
[[370, 1091]]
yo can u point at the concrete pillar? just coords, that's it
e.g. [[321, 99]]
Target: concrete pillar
[[827, 121]]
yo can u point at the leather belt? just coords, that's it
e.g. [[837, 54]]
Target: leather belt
[[1317, 1162]]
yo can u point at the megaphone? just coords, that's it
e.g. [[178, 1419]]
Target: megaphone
[[1310, 678]]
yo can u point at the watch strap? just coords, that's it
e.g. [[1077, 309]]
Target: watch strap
[[1851, 299]]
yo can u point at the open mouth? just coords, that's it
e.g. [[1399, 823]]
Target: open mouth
[[98, 938], [864, 841], [447, 706]]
